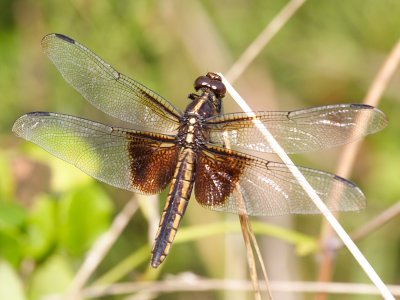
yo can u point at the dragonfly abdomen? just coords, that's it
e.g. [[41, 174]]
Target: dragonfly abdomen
[[175, 206]]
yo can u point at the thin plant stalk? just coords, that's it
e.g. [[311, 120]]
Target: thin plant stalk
[[349, 154], [263, 39], [249, 238], [313, 195], [197, 284], [374, 224], [250, 257], [100, 249]]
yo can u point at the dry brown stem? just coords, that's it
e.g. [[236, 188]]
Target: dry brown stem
[[349, 154], [100, 249]]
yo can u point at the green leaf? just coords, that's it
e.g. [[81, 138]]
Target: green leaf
[[6, 183], [11, 285], [85, 213], [41, 230], [53, 277], [304, 244], [11, 247], [125, 266], [12, 216]]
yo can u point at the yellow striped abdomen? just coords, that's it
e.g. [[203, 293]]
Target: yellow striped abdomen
[[175, 206]]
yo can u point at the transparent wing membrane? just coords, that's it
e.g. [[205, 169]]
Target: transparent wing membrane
[[237, 183], [107, 89], [127, 159], [297, 131]]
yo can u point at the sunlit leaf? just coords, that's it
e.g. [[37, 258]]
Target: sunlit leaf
[[11, 286], [12, 216], [304, 244], [53, 277], [85, 213], [6, 181], [41, 227], [12, 221]]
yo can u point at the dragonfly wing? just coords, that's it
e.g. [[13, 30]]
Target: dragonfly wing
[[137, 161], [233, 182], [107, 89], [297, 131]]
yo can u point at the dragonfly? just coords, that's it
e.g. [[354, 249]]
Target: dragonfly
[[199, 149]]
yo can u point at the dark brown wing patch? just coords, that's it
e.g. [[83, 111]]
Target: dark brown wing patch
[[152, 165], [216, 177]]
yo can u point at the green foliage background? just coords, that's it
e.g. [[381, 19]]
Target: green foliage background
[[50, 213]]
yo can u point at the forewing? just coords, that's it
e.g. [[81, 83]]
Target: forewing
[[297, 131], [107, 89], [233, 182], [136, 161]]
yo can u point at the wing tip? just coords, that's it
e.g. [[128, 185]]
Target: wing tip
[[358, 196], [381, 119], [61, 36], [56, 35], [19, 124], [377, 118], [65, 38], [346, 181], [38, 113], [361, 106]]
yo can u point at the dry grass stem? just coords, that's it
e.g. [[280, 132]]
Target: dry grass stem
[[383, 77], [263, 39], [192, 30], [201, 284], [250, 257], [375, 223], [349, 154], [373, 97], [313, 195], [100, 249], [248, 236], [260, 259]]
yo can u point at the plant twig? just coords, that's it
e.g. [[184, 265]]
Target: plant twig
[[349, 154], [100, 249], [260, 259], [194, 283], [313, 195], [374, 224], [377, 222], [249, 238], [373, 97], [263, 39], [250, 256]]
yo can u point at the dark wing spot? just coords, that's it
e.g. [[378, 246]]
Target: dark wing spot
[[151, 166], [65, 38], [38, 113], [361, 106], [216, 178], [345, 181]]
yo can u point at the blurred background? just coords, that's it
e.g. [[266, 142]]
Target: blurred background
[[51, 213]]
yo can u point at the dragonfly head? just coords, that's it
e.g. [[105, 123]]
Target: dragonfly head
[[212, 82]]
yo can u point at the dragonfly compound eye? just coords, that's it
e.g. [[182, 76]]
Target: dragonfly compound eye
[[219, 88], [202, 81]]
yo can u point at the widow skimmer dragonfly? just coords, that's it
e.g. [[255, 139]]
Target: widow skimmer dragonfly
[[187, 149]]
